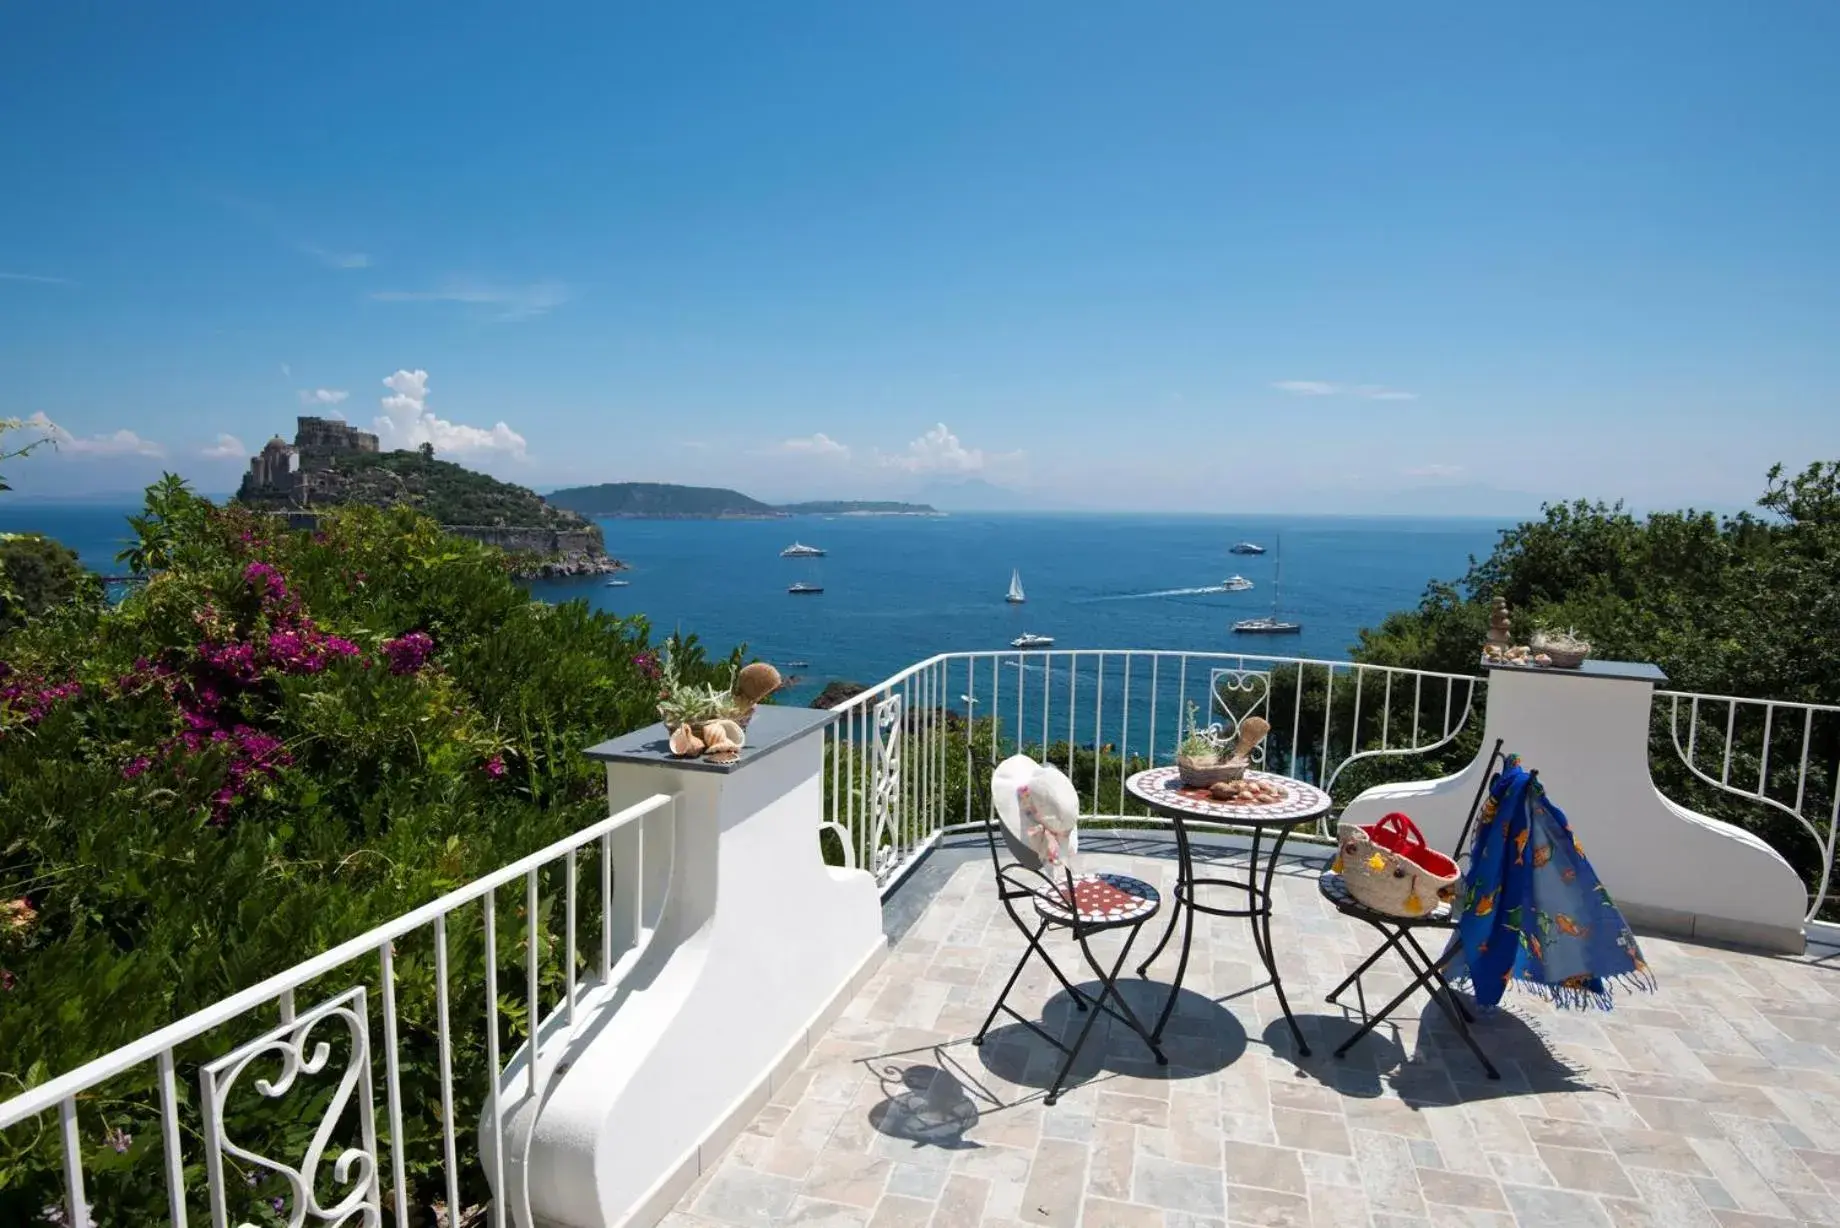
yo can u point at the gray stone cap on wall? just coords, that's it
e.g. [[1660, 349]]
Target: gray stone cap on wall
[[769, 730], [1630, 671]]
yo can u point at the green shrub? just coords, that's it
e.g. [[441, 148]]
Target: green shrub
[[278, 742], [38, 575]]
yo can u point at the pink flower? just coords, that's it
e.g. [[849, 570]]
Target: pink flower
[[495, 767], [408, 653], [134, 768]]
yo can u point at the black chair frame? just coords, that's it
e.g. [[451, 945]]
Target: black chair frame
[[1427, 972], [1018, 883]]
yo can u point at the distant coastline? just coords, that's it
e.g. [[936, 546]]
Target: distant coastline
[[665, 501]]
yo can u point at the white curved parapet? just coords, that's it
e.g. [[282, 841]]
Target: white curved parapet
[[747, 944], [1671, 870]]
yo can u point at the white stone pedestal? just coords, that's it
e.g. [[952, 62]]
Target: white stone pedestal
[[1671, 870], [753, 948]]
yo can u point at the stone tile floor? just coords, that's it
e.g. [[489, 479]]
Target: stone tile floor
[[1714, 1102]]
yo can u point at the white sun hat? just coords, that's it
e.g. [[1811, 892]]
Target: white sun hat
[[1040, 812]]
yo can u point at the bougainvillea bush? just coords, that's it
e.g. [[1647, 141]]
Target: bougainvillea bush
[[277, 742]]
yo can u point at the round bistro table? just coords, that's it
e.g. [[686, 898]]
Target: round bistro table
[[1161, 789]]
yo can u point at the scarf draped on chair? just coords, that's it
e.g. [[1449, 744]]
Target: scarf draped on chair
[[1534, 910]]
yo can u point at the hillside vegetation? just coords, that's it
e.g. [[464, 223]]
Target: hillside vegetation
[[658, 499], [449, 493]]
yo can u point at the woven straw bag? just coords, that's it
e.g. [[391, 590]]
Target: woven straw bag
[[1389, 867]]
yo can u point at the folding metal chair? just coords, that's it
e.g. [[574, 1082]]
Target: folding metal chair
[[1082, 904], [1427, 972]]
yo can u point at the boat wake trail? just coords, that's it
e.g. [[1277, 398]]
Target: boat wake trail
[[1161, 592]]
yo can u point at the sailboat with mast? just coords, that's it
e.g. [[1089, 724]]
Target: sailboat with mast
[[1271, 625], [1014, 596]]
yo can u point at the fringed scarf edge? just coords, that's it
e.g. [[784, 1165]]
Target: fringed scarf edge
[[1579, 992]]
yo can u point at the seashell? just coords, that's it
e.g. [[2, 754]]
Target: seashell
[[684, 743], [731, 732], [757, 681], [1252, 731]]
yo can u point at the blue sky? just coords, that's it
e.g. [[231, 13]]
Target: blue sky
[[1275, 257]]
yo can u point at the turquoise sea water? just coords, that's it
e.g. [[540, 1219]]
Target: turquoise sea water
[[898, 589]]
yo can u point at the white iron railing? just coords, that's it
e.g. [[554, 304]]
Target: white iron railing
[[291, 1048], [1778, 755], [903, 755]]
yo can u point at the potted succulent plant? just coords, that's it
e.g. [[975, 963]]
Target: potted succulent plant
[[708, 720], [1201, 758]]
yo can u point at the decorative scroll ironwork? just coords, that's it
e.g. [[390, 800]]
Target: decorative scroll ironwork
[[1237, 694], [294, 1047], [885, 786]]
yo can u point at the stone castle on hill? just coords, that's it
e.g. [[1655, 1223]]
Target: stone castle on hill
[[300, 470]]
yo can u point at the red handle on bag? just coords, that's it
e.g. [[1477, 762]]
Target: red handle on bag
[[1404, 833]]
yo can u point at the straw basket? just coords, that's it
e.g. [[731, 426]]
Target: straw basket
[[1389, 868], [1200, 773], [1562, 657]]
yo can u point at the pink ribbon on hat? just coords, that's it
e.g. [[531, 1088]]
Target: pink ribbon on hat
[[1038, 828]]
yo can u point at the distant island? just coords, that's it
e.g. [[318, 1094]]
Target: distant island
[[331, 464], [853, 507], [664, 501]]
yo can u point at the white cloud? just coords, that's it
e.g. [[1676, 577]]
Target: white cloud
[[286, 370], [227, 447], [513, 302], [322, 396], [819, 444], [407, 422], [1320, 388], [37, 279], [117, 443], [937, 451], [1434, 471], [337, 260]]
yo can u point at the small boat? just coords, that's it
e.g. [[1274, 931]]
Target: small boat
[[618, 583], [1028, 639], [1246, 548], [1236, 584], [1266, 626], [798, 665], [1014, 596], [799, 550], [802, 589], [1271, 625]]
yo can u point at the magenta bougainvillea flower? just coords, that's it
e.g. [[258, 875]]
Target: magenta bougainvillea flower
[[408, 653]]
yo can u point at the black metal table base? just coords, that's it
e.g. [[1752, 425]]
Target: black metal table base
[[1427, 974], [1257, 911]]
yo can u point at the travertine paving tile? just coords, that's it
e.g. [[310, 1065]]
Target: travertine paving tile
[[1716, 1102]]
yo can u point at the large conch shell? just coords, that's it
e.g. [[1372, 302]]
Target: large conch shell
[[1252, 731], [684, 742], [723, 741], [756, 682]]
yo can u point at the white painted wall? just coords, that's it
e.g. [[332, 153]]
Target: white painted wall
[[759, 944], [1670, 869]]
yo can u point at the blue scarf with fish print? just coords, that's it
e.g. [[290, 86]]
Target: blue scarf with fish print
[[1534, 910]]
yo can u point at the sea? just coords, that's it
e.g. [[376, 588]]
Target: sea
[[898, 589]]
